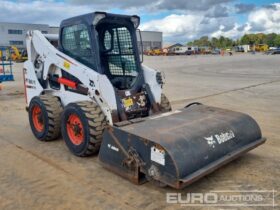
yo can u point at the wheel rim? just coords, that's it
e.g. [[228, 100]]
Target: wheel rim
[[75, 129], [37, 118]]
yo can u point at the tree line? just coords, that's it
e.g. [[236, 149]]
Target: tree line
[[272, 40]]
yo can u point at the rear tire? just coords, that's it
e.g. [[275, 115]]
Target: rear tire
[[44, 117], [165, 105], [82, 126]]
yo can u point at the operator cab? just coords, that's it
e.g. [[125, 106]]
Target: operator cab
[[106, 43], [118, 49]]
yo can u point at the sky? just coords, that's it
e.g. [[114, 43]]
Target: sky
[[179, 20]]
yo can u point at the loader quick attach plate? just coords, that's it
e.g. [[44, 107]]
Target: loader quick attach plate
[[178, 148]]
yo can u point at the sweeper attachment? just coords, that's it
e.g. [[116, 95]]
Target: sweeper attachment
[[95, 91], [180, 147]]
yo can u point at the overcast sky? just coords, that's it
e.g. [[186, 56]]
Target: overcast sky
[[179, 20]]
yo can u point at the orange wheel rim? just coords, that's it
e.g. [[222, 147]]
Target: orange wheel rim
[[37, 118], [75, 129]]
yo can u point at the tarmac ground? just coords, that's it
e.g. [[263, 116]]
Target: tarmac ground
[[45, 175]]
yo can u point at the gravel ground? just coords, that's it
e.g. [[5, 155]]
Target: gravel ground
[[40, 175]]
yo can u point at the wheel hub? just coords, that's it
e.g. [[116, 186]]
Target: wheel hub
[[75, 129]]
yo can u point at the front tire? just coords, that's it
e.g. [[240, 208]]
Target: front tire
[[82, 126], [44, 117]]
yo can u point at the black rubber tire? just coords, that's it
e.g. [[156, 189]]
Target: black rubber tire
[[93, 122], [165, 105], [51, 110]]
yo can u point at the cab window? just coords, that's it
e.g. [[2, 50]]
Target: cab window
[[76, 43]]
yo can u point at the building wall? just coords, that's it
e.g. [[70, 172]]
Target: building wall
[[151, 39], [14, 33], [53, 30]]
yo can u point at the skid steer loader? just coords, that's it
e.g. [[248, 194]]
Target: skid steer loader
[[96, 92]]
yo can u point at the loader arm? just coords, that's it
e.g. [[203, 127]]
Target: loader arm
[[45, 61]]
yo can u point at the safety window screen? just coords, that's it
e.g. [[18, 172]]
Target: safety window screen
[[121, 58], [76, 42]]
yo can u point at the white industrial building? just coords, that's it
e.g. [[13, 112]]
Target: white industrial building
[[151, 40], [14, 34]]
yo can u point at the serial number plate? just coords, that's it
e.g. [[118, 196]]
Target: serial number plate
[[127, 102]]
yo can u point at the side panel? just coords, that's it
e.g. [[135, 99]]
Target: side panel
[[106, 94], [150, 79]]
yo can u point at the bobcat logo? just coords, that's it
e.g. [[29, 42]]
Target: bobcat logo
[[219, 138], [210, 140]]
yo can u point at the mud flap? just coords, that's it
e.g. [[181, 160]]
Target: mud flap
[[178, 148]]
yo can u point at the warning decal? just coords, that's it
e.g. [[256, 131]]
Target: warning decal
[[158, 155]]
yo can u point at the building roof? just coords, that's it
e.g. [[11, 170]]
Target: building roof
[[173, 45], [13, 23]]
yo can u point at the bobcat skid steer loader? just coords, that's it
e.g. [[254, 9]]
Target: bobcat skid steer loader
[[95, 91]]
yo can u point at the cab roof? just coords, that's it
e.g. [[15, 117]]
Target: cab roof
[[88, 18]]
